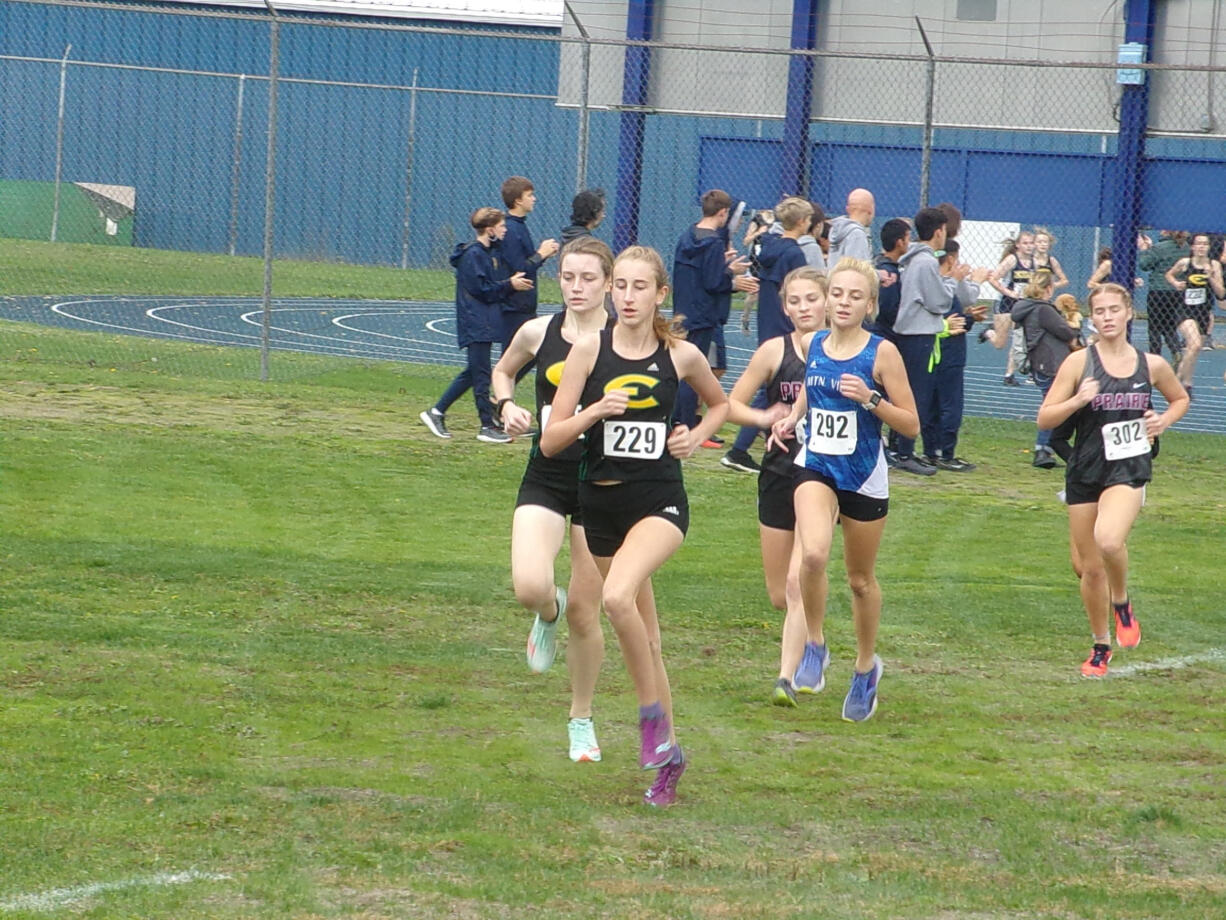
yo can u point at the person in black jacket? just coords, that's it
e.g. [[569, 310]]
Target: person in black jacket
[[1048, 337], [482, 286]]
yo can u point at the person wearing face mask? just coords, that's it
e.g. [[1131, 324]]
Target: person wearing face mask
[[483, 285]]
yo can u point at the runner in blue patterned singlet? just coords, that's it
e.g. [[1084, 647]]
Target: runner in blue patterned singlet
[[635, 511], [841, 470], [779, 366], [1106, 390], [550, 491]]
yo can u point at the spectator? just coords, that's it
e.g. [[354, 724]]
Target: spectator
[[949, 372], [519, 195], [1163, 304], [895, 239], [809, 241], [587, 210], [705, 273], [849, 234], [1048, 337], [482, 286]]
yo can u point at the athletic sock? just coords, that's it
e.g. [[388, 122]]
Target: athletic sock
[[1121, 608], [1102, 640], [654, 711]]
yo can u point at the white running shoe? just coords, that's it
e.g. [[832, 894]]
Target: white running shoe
[[543, 639], [583, 746]]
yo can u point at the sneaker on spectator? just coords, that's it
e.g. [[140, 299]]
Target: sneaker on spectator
[[954, 465], [491, 435], [914, 465], [583, 746], [861, 700], [1096, 664], [543, 638], [1044, 459], [1011, 381], [663, 791], [740, 460], [434, 420], [811, 675], [783, 694]]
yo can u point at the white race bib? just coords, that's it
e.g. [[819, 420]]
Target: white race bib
[[634, 440], [1122, 440], [832, 433], [547, 410], [1195, 296]]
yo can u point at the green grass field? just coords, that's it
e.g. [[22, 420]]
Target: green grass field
[[260, 658]]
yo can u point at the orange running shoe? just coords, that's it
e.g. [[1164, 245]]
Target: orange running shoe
[[1096, 664], [1127, 629]]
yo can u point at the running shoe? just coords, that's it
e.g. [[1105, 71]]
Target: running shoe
[[491, 435], [433, 419], [656, 749], [713, 442], [954, 464], [663, 791], [783, 694], [1096, 664], [915, 465], [740, 460], [861, 700], [583, 746], [810, 677], [543, 639], [1127, 628]]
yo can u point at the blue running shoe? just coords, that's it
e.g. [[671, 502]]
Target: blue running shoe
[[861, 700], [811, 675]]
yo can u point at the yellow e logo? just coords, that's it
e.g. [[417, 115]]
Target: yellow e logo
[[553, 373], [638, 386]]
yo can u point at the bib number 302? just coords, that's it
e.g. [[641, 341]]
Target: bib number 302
[[634, 440], [1122, 440], [832, 433]]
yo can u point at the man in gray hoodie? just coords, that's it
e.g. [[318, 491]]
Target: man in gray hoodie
[[849, 235], [925, 297]]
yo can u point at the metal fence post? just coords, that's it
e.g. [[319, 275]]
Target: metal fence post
[[408, 173], [59, 146], [584, 116], [930, 92], [270, 181], [236, 171]]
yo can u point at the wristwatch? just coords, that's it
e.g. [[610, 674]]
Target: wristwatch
[[874, 397]]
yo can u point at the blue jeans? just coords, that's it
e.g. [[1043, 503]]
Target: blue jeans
[[475, 376], [745, 437], [1043, 382]]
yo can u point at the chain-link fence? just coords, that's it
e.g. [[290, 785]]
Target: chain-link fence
[[146, 130]]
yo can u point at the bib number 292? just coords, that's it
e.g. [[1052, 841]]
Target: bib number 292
[[634, 440], [832, 433]]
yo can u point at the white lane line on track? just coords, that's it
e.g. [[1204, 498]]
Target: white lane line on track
[[1169, 664], [55, 898]]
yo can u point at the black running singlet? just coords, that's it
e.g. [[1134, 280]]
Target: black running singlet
[[550, 358], [1197, 294], [785, 387], [631, 447], [1111, 446], [1019, 277]]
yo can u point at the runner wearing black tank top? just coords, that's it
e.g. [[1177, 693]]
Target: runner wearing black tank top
[[1107, 388], [634, 504], [1010, 278], [1198, 279], [779, 366]]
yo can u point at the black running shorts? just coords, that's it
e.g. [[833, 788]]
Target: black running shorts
[[775, 508], [1088, 493], [610, 511], [552, 484], [852, 505]]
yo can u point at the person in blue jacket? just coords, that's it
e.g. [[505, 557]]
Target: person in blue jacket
[[705, 273], [483, 284], [521, 255], [780, 253]]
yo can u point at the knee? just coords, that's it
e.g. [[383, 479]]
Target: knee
[[582, 620], [534, 593], [778, 596], [862, 584], [1093, 572], [618, 604], [1110, 545], [814, 562]]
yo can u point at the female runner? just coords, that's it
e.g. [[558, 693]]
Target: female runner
[[779, 366], [842, 472], [635, 510], [1010, 278], [1107, 388], [1198, 279], [550, 490]]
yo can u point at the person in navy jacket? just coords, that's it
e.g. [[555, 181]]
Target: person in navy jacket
[[705, 273], [521, 255], [483, 283]]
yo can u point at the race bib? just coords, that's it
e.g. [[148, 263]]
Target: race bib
[[1195, 296], [634, 440], [1122, 440], [547, 410], [832, 433]]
